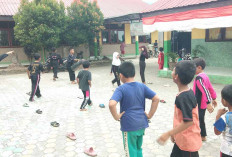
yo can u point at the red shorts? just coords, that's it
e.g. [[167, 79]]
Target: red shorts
[[122, 52]]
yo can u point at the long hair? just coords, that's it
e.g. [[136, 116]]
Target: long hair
[[144, 48]]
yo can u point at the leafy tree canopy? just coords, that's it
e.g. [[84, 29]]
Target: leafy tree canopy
[[39, 24]]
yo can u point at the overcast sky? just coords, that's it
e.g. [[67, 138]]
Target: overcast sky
[[149, 1]]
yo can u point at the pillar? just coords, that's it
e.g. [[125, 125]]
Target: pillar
[[167, 48], [95, 47], [127, 34], [136, 45]]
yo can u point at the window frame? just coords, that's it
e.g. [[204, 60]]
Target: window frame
[[109, 36], [223, 31], [9, 30]]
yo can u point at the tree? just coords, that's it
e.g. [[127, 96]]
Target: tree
[[85, 21], [39, 24]]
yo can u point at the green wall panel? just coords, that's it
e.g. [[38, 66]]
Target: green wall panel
[[218, 54]]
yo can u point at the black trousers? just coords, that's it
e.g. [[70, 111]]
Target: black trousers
[[116, 75], [224, 155], [177, 152], [202, 121], [142, 66], [35, 86], [71, 74], [55, 70], [86, 99]]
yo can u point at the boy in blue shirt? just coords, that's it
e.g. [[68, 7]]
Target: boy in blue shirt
[[132, 116], [223, 124]]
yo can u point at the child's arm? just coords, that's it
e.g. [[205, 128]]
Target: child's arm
[[205, 93], [113, 110], [219, 124], [28, 74], [90, 83], [154, 105], [77, 80], [213, 94], [183, 126]]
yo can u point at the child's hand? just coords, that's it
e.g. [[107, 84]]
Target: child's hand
[[214, 102], [148, 116], [210, 108], [119, 116], [221, 112], [163, 138], [10, 52]]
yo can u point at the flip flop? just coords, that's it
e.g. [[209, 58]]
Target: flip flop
[[162, 101], [149, 83], [149, 121], [79, 97], [29, 93], [102, 106], [71, 136], [55, 124], [90, 152], [39, 111], [25, 105]]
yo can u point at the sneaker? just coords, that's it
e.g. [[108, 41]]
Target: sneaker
[[39, 96], [31, 100]]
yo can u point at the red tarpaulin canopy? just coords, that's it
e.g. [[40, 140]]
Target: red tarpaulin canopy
[[185, 21]]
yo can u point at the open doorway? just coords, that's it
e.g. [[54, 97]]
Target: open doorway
[[181, 41]]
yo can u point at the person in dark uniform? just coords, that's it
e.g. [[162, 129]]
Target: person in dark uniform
[[71, 60], [33, 73], [5, 55], [54, 59], [142, 63]]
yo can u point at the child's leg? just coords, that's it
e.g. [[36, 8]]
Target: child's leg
[[202, 121], [35, 83], [86, 99], [132, 141], [88, 95]]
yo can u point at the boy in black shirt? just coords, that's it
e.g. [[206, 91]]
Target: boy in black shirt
[[33, 73], [54, 59], [84, 81]]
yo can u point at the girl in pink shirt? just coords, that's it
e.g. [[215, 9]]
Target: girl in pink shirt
[[205, 94]]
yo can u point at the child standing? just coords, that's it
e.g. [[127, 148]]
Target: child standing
[[142, 63], [132, 116], [115, 64], [54, 60], [161, 58], [186, 131], [71, 60], [204, 93], [33, 73], [84, 81], [224, 124]]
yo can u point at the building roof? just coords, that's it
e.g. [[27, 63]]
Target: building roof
[[168, 4], [116, 8], [109, 8]]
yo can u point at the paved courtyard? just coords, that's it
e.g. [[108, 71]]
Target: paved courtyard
[[24, 133]]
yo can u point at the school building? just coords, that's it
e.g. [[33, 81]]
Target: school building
[[174, 24], [109, 41]]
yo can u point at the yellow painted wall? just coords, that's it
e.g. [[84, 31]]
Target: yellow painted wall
[[198, 34], [100, 38], [127, 34], [167, 36], [154, 36]]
